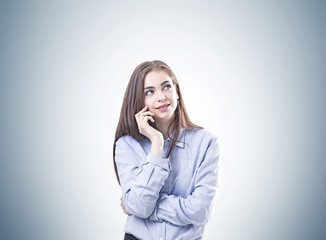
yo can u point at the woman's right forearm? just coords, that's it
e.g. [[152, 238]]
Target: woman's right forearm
[[141, 191], [141, 184], [157, 141], [157, 147]]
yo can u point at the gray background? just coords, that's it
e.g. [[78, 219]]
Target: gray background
[[252, 72]]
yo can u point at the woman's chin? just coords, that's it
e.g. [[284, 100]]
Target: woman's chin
[[163, 118]]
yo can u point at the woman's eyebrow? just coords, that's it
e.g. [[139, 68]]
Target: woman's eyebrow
[[167, 81]]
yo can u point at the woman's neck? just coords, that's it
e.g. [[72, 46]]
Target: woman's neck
[[162, 126]]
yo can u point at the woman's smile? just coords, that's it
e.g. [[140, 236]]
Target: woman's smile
[[163, 107]]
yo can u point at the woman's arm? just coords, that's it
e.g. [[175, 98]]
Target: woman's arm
[[196, 208], [140, 184]]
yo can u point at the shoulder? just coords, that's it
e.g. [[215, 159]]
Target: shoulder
[[127, 141], [200, 134], [124, 140], [201, 138]]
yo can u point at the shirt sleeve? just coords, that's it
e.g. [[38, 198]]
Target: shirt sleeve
[[140, 184], [196, 208]]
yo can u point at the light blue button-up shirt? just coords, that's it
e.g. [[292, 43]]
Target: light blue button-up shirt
[[169, 198]]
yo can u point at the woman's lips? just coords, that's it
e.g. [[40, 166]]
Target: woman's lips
[[163, 107]]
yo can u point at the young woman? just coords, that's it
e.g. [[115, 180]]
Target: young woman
[[166, 165]]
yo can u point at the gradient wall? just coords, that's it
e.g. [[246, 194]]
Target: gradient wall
[[252, 72]]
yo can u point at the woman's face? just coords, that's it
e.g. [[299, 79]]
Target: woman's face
[[160, 95]]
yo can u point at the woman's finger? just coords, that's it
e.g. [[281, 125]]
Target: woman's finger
[[146, 118], [148, 113], [141, 116], [143, 110], [145, 114], [140, 112]]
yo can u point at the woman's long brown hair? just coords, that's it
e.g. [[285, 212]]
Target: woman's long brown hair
[[133, 102]]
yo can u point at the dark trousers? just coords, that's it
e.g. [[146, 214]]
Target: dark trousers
[[129, 237]]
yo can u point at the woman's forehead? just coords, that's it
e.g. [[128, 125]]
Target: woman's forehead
[[156, 78]]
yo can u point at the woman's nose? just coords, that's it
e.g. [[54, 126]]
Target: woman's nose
[[161, 96]]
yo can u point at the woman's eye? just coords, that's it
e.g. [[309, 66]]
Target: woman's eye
[[150, 92], [168, 86]]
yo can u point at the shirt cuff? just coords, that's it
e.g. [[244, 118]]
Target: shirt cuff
[[159, 161]]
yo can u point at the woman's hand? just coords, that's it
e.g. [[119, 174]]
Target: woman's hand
[[142, 118], [123, 207], [156, 137]]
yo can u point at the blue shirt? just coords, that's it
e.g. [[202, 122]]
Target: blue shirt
[[168, 198]]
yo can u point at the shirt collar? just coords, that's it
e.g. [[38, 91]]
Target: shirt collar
[[181, 139]]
